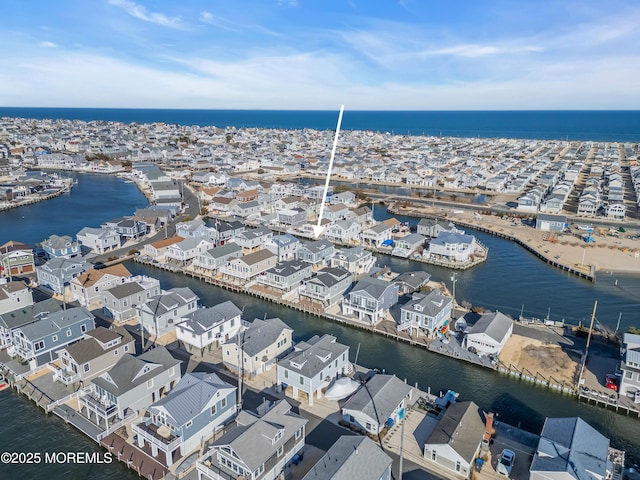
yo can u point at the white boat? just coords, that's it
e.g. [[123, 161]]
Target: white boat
[[341, 388]]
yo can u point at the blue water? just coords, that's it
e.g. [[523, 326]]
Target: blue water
[[599, 125]]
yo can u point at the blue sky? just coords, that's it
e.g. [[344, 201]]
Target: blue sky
[[304, 54]]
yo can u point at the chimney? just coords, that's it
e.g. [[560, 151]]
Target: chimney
[[489, 427]]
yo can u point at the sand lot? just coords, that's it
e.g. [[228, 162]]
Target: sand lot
[[549, 360]]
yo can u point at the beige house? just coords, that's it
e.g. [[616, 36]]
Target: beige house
[[249, 266]]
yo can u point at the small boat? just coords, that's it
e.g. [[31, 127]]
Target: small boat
[[341, 388], [3, 386]]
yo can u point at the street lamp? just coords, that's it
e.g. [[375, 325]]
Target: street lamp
[[453, 282]]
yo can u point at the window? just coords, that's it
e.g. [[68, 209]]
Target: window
[[368, 426], [301, 380], [286, 374], [434, 455], [149, 384], [172, 371], [458, 466], [54, 338], [223, 403], [86, 367], [628, 374], [116, 352], [39, 345], [280, 450], [126, 348], [213, 409], [68, 333], [188, 424], [83, 328], [298, 433]]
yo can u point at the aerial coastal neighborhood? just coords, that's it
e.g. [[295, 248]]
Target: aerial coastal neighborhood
[[177, 389]]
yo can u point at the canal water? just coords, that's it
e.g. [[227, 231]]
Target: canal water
[[509, 279]]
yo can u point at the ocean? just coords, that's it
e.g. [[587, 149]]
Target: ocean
[[594, 125]]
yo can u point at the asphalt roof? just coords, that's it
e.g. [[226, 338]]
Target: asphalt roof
[[205, 319], [260, 334], [126, 290], [428, 304], [28, 314], [379, 397], [55, 322], [461, 427], [314, 355], [89, 348], [494, 324]]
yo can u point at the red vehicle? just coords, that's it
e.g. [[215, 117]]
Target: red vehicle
[[611, 382]]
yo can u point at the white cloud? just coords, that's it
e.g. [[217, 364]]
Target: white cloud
[[473, 51], [47, 44], [140, 12]]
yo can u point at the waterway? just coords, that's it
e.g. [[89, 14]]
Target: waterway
[[510, 278]]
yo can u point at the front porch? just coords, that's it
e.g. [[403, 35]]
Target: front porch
[[158, 441]]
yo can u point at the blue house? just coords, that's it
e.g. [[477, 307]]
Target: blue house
[[197, 407]]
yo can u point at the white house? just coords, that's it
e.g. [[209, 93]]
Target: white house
[[452, 246], [489, 334], [209, 326]]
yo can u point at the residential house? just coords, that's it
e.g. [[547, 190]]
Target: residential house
[[96, 353], [327, 286], [190, 414], [16, 259], [249, 266], [131, 385], [370, 299], [22, 316], [377, 235], [13, 296], [343, 231], [318, 252], [352, 457], [187, 249], [433, 227], [345, 198], [630, 366], [57, 273], [361, 215], [88, 287], [158, 249], [160, 313], [616, 211], [60, 247], [284, 246], [98, 240], [489, 334], [209, 326], [245, 209], [454, 247], [405, 246], [551, 223], [226, 230], [455, 441], [259, 446], [254, 238], [217, 257], [38, 341], [426, 313], [195, 228], [312, 366], [127, 228], [570, 448], [335, 212], [261, 343], [121, 303], [380, 402], [409, 282], [292, 217], [286, 276], [222, 204], [358, 260], [588, 205]]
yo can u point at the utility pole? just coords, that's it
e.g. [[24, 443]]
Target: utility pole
[[401, 446], [453, 281]]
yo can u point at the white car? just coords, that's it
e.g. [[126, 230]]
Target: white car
[[505, 464], [585, 227]]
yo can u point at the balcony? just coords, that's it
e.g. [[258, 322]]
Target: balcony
[[358, 306], [160, 436], [102, 406], [66, 377], [317, 295]]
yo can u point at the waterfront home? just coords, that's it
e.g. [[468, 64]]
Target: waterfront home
[[196, 408], [22, 316], [433, 227], [96, 353], [195, 228], [187, 249], [343, 231], [409, 282], [127, 228], [98, 240], [287, 203], [335, 212], [259, 446], [361, 215], [489, 334], [160, 313], [249, 266], [425, 313], [16, 259], [356, 260], [616, 211], [292, 217], [245, 209], [209, 326], [405, 246], [377, 235], [352, 457], [630, 365], [87, 288], [318, 252], [60, 247], [530, 201], [453, 247], [37, 342], [261, 343], [226, 230], [122, 301], [284, 246], [253, 238], [286, 276], [217, 257], [157, 250], [14, 295], [326, 286], [588, 205], [246, 195], [164, 190], [312, 366], [455, 441], [346, 198], [57, 273], [570, 448], [550, 223], [370, 299], [220, 204], [378, 403], [130, 386]]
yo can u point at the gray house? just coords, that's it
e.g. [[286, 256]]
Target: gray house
[[630, 365], [408, 244], [60, 247], [37, 342], [96, 353], [56, 274], [377, 404], [217, 257], [426, 312], [286, 276], [550, 223], [208, 326], [259, 446], [312, 366], [357, 260], [130, 385], [284, 246], [327, 286], [23, 316], [409, 282], [489, 334], [369, 299], [292, 216], [433, 227], [352, 457], [14, 295], [121, 302], [197, 407], [254, 238], [317, 253], [160, 313]]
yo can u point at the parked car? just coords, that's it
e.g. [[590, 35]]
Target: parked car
[[611, 381], [505, 464]]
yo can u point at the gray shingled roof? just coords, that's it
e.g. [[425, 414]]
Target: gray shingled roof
[[8, 288], [413, 279], [125, 290], [260, 335], [318, 245], [257, 257], [494, 324], [55, 322], [205, 319], [89, 348], [329, 276], [351, 457], [289, 268], [427, 304], [461, 427], [193, 394], [379, 397], [170, 300], [226, 249], [372, 286], [571, 445], [310, 355], [28, 314]]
